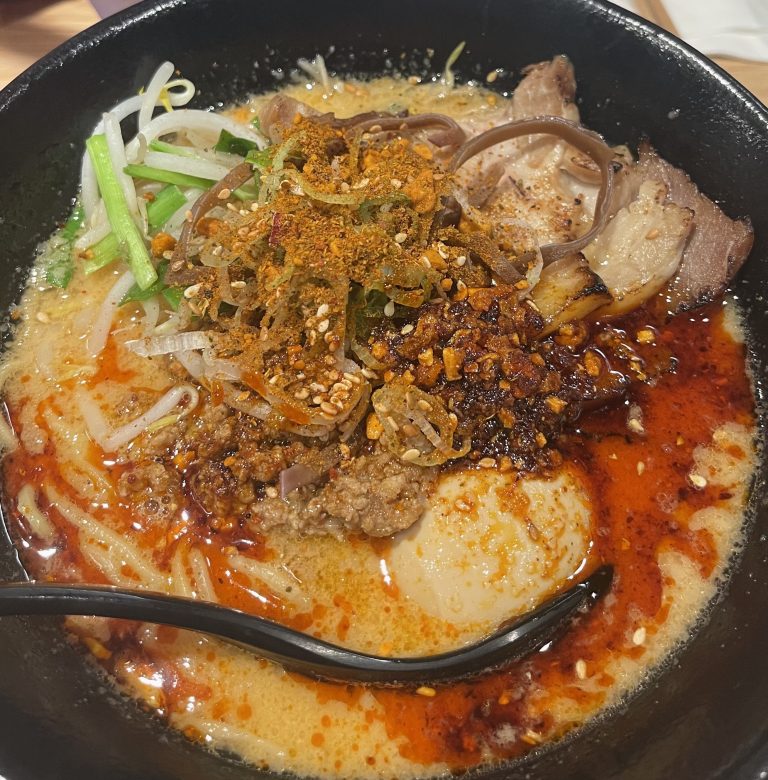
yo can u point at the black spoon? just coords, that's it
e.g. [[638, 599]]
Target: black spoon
[[304, 653]]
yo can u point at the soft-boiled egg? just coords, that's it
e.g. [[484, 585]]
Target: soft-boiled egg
[[494, 545]]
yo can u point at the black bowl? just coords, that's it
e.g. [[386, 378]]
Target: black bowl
[[706, 714]]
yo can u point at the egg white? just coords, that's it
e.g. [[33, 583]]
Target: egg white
[[493, 545]]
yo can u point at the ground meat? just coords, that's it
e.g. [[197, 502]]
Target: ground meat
[[375, 494], [152, 486]]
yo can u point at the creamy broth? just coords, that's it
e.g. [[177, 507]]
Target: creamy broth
[[664, 504]]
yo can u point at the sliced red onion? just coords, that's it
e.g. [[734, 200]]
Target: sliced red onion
[[295, 477], [586, 141]]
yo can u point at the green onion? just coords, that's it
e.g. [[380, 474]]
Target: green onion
[[183, 180], [169, 177], [104, 252], [61, 264], [179, 151], [120, 218], [166, 203], [171, 294], [231, 144], [260, 158], [256, 122]]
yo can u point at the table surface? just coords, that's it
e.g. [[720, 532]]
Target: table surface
[[30, 28]]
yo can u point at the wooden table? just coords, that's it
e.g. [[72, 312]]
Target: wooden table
[[30, 28]]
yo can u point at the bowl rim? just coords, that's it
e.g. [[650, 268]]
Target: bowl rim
[[112, 25], [101, 32]]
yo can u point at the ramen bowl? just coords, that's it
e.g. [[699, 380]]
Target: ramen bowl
[[703, 713]]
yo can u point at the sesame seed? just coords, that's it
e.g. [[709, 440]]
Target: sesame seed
[[317, 400], [426, 691], [41, 316], [400, 237], [271, 492], [406, 329], [301, 394], [425, 261], [354, 378], [581, 669], [640, 467], [697, 480], [460, 260], [396, 183], [462, 505], [264, 333], [635, 419], [654, 233], [492, 76], [425, 406], [323, 326], [389, 309], [638, 638], [344, 187], [442, 251], [231, 207], [317, 387], [461, 286], [414, 80], [273, 379], [238, 285], [192, 291], [224, 194], [328, 408], [369, 373], [188, 215], [392, 424], [486, 463], [411, 455], [362, 183], [323, 309]]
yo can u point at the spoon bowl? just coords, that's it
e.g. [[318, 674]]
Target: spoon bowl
[[302, 652]]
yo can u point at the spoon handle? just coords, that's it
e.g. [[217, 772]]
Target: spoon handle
[[301, 652]]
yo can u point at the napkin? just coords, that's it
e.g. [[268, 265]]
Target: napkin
[[733, 28]]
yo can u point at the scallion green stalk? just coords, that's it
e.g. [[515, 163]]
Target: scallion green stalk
[[179, 151], [103, 253], [183, 180], [61, 264], [120, 218], [166, 203], [168, 177]]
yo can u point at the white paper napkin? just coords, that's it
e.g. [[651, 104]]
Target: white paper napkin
[[734, 28]]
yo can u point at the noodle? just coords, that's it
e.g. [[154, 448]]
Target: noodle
[[38, 523], [109, 550]]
